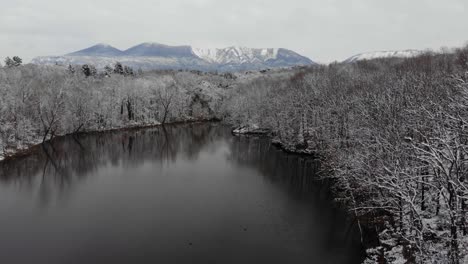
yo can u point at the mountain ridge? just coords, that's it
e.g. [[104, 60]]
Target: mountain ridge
[[409, 53], [151, 55]]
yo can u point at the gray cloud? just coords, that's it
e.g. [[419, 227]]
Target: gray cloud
[[322, 30]]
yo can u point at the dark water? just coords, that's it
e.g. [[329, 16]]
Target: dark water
[[183, 194]]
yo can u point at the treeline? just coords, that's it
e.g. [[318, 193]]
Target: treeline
[[41, 102], [92, 71], [394, 134]]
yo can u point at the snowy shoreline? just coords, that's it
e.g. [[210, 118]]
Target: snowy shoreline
[[288, 147]]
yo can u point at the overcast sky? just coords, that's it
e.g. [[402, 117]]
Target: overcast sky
[[322, 30]]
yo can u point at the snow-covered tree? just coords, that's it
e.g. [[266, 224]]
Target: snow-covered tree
[[128, 71], [108, 70], [71, 69]]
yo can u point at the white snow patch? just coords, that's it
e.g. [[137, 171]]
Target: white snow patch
[[246, 129], [104, 45], [395, 256], [209, 54], [235, 54]]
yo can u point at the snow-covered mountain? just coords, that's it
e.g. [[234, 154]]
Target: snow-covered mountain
[[236, 55], [148, 56], [384, 54]]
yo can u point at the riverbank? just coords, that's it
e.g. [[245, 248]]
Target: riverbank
[[26, 147], [292, 148]]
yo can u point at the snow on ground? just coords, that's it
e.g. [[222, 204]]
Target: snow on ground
[[245, 129], [395, 256], [250, 129]]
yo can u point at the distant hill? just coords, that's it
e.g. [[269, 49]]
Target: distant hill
[[98, 50], [148, 56], [384, 54]]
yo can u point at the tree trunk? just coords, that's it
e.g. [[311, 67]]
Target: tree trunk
[[463, 216], [437, 174], [401, 214], [129, 109], [423, 198], [164, 117], [453, 225]]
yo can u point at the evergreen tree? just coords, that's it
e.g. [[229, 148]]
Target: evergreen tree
[[86, 70], [9, 62], [15, 62], [118, 68]]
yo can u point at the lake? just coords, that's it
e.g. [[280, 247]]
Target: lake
[[179, 194]]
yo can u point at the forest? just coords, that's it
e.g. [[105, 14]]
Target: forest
[[38, 103], [392, 133]]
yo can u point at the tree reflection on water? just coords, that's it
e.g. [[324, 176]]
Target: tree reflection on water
[[54, 167]]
